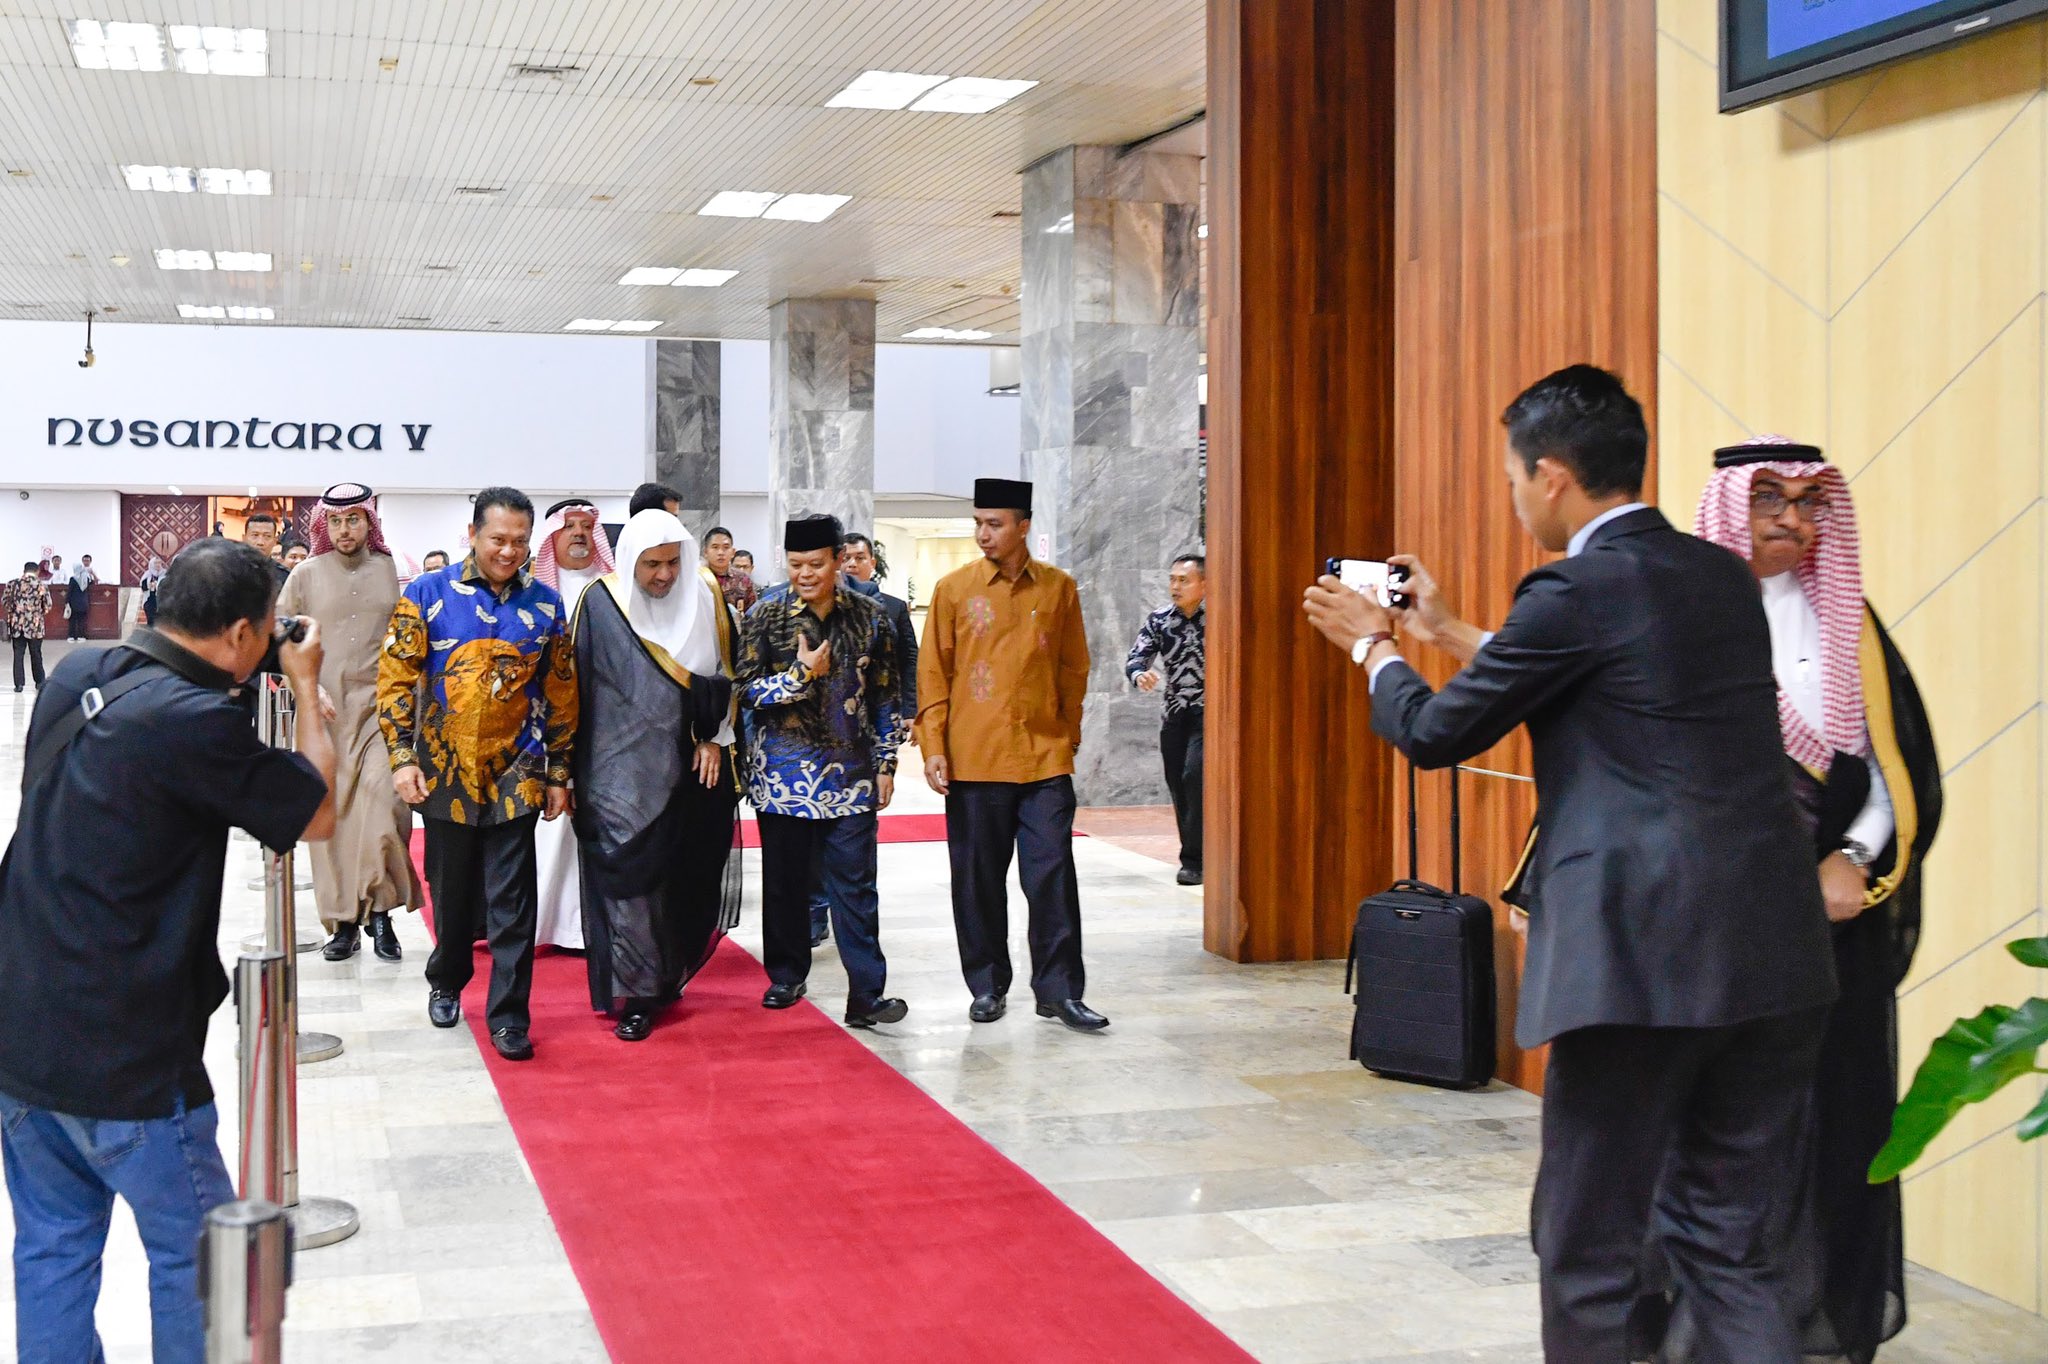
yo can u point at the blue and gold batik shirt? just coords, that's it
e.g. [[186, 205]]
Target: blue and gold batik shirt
[[477, 686], [814, 745]]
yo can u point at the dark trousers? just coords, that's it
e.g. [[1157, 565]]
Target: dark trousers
[[1705, 1125], [984, 821], [841, 854], [1180, 744], [81, 607], [484, 878], [34, 649]]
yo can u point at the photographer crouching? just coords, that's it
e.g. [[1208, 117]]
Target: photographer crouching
[[139, 759]]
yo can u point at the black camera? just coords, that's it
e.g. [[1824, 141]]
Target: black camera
[[289, 630]]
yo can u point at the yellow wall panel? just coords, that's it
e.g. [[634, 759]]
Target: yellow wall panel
[[1975, 1217], [1721, 170], [1930, 362], [1974, 644], [1951, 286], [1911, 138], [1923, 505], [1759, 350]]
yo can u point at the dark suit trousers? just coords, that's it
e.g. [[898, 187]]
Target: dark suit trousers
[[34, 649], [1715, 1116], [1180, 744], [484, 879], [984, 821], [841, 855]]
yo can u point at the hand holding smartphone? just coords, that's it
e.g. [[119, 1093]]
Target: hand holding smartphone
[[1373, 578]]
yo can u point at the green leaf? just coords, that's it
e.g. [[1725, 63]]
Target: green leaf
[[2035, 1124], [2019, 1036], [1945, 1083], [2032, 951]]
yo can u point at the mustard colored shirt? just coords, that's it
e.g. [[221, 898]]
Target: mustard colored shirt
[[1002, 674]]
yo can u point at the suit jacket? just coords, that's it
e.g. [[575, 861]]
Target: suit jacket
[[1671, 883], [898, 612]]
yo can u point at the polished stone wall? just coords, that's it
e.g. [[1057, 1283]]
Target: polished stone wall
[[686, 428], [821, 411], [1111, 348]]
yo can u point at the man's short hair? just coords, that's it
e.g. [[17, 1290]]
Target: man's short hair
[[1201, 564], [511, 499], [259, 519], [1583, 418], [856, 538], [213, 583], [432, 552], [653, 497], [716, 530], [31, 566]]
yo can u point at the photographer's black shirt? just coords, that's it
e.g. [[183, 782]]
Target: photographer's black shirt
[[110, 892]]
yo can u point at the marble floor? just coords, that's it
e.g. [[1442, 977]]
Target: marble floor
[[1217, 1133]]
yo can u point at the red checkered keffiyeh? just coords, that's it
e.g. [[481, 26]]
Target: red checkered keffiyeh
[[1832, 577], [355, 497], [544, 566]]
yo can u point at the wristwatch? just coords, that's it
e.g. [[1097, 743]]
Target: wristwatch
[[1859, 856], [1365, 645]]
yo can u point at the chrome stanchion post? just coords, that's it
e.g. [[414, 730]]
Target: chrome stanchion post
[[262, 1009], [275, 728], [245, 1265]]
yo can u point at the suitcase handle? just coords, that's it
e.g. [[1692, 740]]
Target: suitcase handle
[[1457, 836]]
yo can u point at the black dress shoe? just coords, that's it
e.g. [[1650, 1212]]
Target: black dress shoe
[[634, 1027], [782, 996], [987, 1008], [1075, 1015], [384, 938], [512, 1044], [346, 942], [1187, 877], [881, 1011], [443, 1009]]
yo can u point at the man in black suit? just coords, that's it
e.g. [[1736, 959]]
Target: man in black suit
[[1679, 963]]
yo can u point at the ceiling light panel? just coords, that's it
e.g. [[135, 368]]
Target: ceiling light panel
[[98, 46], [168, 259], [184, 180], [737, 203], [806, 208], [649, 275], [606, 324], [947, 334], [198, 313], [883, 90], [257, 261], [702, 279], [211, 51], [222, 180], [970, 95]]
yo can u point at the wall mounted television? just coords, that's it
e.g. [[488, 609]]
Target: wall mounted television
[[1774, 48]]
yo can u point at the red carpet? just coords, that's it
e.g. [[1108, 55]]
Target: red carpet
[[757, 1186], [893, 829]]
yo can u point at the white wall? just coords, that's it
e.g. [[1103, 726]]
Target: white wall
[[525, 410], [71, 523], [746, 516]]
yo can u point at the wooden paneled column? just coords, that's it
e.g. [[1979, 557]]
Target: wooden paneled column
[[1301, 412]]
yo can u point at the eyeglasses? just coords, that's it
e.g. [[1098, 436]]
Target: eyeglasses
[[1770, 503]]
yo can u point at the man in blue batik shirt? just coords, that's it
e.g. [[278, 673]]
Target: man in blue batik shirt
[[820, 702]]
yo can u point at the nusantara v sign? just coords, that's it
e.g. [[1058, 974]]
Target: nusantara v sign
[[254, 433]]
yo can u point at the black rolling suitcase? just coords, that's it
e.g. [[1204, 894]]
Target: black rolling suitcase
[[1423, 960]]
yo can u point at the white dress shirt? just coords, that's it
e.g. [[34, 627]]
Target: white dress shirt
[[1795, 658], [1571, 551]]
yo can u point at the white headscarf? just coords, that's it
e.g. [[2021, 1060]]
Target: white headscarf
[[683, 622]]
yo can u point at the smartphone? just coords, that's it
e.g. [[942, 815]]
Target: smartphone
[[1372, 577]]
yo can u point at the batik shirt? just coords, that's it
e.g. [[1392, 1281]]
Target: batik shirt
[[25, 603], [492, 727], [738, 589], [815, 745], [1176, 641]]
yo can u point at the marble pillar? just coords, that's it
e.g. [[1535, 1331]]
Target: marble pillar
[[821, 411], [686, 428], [1111, 418]]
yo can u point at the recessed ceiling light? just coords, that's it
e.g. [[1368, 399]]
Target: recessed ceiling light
[[167, 259], [258, 261], [737, 203], [97, 46], [222, 180], [387, 63], [806, 208], [970, 95], [233, 312], [216, 51], [883, 90], [649, 275], [635, 326], [198, 312], [184, 180], [238, 313], [702, 279], [606, 324], [947, 334], [118, 260]]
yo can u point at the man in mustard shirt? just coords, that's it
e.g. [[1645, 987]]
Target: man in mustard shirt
[[1000, 680]]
